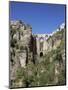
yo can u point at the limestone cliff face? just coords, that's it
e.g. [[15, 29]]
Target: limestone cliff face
[[20, 50], [28, 49], [47, 42], [55, 39]]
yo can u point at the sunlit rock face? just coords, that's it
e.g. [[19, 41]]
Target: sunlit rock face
[[20, 41], [27, 48], [47, 42], [21, 38], [22, 58]]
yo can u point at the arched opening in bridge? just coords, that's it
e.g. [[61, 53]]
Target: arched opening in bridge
[[41, 54]]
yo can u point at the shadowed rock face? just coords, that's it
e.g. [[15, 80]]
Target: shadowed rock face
[[27, 49]]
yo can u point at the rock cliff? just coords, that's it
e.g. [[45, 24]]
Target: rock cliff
[[36, 60]]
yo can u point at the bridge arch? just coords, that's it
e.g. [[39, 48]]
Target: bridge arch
[[41, 54]]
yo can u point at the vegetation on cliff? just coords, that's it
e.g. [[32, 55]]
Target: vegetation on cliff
[[48, 69]]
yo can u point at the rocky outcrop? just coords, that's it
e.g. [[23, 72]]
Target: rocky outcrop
[[20, 50], [55, 40], [42, 53]]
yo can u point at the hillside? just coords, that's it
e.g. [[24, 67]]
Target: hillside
[[26, 67]]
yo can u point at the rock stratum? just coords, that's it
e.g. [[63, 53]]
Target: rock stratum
[[36, 59]]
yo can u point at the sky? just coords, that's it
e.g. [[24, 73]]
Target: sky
[[44, 18]]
